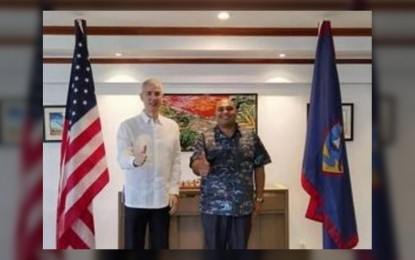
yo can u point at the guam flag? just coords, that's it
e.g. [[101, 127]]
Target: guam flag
[[325, 172], [383, 237]]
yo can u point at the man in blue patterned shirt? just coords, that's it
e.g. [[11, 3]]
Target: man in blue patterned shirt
[[229, 158]]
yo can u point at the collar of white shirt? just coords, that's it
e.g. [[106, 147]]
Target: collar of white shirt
[[148, 119]]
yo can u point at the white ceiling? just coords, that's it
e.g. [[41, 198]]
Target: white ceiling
[[234, 47], [360, 19], [205, 46]]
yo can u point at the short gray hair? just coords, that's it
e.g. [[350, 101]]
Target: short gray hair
[[152, 81]]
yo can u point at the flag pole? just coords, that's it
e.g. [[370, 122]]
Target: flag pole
[[80, 23]]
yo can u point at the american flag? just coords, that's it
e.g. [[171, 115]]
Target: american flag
[[83, 166], [29, 232]]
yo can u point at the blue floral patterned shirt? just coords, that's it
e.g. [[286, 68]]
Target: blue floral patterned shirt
[[229, 187]]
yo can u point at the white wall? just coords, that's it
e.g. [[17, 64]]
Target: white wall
[[282, 123]]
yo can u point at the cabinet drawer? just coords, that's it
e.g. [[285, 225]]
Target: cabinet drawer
[[274, 201], [188, 205]]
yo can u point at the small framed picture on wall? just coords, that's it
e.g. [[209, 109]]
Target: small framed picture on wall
[[12, 115], [53, 118], [347, 110], [347, 113], [387, 119]]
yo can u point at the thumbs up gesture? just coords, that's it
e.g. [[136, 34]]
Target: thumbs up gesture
[[140, 156], [202, 165]]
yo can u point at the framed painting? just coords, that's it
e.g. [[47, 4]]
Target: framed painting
[[53, 118], [347, 112], [387, 119], [12, 118], [195, 113]]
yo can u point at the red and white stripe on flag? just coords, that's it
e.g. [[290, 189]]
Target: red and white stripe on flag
[[83, 166], [29, 231]]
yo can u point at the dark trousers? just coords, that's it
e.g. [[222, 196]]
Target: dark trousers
[[127, 254], [135, 224], [226, 232]]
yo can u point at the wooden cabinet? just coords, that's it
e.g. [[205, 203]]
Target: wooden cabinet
[[269, 228]]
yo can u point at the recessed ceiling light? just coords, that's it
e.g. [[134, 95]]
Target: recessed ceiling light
[[282, 55], [278, 80], [122, 78], [118, 54], [223, 15]]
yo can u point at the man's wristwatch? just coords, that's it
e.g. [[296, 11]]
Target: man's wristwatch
[[260, 200], [135, 165]]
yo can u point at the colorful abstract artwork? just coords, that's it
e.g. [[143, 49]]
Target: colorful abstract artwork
[[196, 112]]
